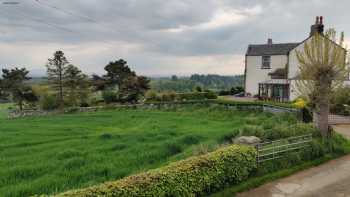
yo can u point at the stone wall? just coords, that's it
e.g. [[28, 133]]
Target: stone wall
[[26, 113], [163, 105]]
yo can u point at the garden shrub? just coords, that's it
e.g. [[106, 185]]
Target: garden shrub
[[228, 138], [251, 130], [196, 96], [109, 96], [84, 104], [48, 102], [151, 95], [168, 96], [194, 176], [210, 95], [172, 96]]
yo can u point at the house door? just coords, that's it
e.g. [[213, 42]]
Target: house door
[[275, 91]]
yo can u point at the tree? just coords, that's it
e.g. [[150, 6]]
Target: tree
[[3, 94], [323, 68], [133, 88], [76, 84], [174, 78], [13, 82], [117, 72], [56, 67], [198, 89], [99, 83]]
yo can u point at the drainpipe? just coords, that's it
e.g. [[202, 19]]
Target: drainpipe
[[245, 75]]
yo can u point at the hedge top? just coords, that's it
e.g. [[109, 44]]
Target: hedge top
[[190, 177]]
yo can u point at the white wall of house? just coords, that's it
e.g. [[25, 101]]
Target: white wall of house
[[255, 74], [293, 61], [293, 70], [293, 92]]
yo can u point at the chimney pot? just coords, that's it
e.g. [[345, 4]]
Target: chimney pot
[[317, 20], [269, 41], [321, 20]]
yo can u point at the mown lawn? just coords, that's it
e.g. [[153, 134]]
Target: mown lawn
[[4, 107], [57, 153]]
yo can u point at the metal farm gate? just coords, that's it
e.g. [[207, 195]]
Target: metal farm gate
[[276, 149]]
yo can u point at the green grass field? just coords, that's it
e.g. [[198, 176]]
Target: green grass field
[[57, 153]]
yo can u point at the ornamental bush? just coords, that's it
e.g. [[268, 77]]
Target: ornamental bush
[[194, 176], [109, 96]]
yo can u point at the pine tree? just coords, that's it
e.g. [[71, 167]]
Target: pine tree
[[56, 67], [13, 82], [76, 84]]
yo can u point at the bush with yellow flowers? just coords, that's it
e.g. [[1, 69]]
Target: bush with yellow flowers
[[299, 103]]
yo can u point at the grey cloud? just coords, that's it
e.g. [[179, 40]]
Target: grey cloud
[[140, 31]]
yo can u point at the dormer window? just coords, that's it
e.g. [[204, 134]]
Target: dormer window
[[266, 62]]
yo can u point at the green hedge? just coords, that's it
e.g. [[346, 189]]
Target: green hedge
[[196, 96], [172, 96], [194, 176], [277, 104]]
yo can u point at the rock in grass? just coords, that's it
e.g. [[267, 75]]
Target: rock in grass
[[247, 140]]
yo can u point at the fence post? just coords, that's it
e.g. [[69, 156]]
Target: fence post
[[257, 154]]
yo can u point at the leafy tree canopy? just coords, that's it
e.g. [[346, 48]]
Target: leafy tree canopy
[[13, 82]]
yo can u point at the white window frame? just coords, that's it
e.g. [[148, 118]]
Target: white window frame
[[266, 62]]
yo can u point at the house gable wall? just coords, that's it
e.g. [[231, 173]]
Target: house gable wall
[[293, 69]]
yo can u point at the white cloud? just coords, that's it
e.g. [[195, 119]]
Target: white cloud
[[222, 17], [185, 66], [35, 55]]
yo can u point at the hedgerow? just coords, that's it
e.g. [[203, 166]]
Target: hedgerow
[[194, 176]]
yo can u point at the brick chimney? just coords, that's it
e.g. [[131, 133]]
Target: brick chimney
[[318, 27], [269, 41]]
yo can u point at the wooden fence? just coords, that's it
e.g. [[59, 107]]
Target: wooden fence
[[277, 149]]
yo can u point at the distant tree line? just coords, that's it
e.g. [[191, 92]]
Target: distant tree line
[[215, 83]]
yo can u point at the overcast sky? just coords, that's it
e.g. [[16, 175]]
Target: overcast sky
[[156, 37]]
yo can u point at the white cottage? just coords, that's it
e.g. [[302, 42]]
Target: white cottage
[[271, 69]]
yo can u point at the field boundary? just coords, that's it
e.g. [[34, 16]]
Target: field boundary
[[157, 105]]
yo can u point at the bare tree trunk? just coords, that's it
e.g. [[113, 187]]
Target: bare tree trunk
[[322, 116], [323, 107], [61, 90], [20, 103]]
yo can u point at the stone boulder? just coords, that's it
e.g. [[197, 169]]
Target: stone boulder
[[247, 140]]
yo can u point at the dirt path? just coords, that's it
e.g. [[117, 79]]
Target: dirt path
[[331, 179], [344, 130]]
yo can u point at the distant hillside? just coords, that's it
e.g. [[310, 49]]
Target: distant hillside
[[187, 84], [37, 80]]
